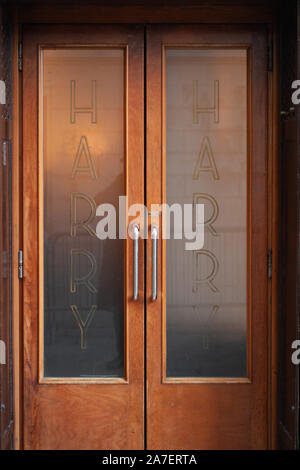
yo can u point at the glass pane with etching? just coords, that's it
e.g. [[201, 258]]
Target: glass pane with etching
[[82, 166], [206, 163]]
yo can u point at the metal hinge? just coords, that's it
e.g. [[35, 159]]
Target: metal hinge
[[270, 56], [270, 264], [20, 57], [20, 264], [4, 152]]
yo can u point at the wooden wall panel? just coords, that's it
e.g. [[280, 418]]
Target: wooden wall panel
[[288, 378], [6, 420]]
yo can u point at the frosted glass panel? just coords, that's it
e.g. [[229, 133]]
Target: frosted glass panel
[[82, 150], [206, 133]]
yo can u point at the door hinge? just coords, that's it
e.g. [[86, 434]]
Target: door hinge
[[270, 264], [4, 152], [20, 264], [270, 56], [20, 57]]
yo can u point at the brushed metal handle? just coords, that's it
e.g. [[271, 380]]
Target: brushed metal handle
[[154, 236], [136, 233]]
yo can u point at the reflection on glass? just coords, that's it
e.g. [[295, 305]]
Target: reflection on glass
[[206, 132], [82, 133]]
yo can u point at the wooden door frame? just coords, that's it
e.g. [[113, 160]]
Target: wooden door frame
[[246, 12], [6, 414]]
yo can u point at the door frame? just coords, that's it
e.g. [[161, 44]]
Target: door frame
[[242, 14]]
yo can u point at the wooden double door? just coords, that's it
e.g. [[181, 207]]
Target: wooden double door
[[137, 334]]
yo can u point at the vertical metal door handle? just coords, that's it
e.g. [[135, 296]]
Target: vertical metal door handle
[[135, 262], [154, 236]]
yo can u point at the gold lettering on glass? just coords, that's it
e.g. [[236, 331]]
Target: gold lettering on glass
[[198, 280], [83, 325], [197, 198], [83, 163], [205, 109], [213, 313], [85, 223], [83, 151], [198, 314], [205, 322], [92, 109], [206, 161], [85, 280]]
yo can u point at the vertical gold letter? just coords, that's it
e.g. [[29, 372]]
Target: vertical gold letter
[[92, 110], [89, 167], [83, 325], [215, 210], [86, 280], [208, 109], [210, 277], [206, 162], [85, 223]]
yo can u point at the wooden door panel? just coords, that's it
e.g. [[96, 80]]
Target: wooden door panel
[[184, 410], [208, 412], [61, 410]]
